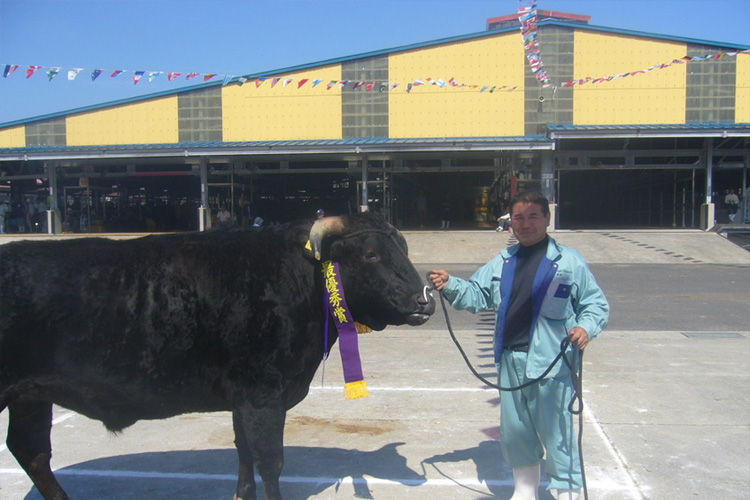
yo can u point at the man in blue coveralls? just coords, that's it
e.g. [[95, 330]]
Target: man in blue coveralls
[[542, 292]]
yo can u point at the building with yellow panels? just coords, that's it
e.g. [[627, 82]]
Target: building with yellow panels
[[634, 130]]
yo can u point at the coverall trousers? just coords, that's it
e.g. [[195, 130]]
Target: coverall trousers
[[536, 419]]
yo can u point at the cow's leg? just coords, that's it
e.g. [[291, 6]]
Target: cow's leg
[[246, 477], [29, 426], [259, 437]]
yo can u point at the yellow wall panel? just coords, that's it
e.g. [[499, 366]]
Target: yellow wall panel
[[13, 137], [149, 122], [432, 111], [656, 97], [742, 96], [268, 113]]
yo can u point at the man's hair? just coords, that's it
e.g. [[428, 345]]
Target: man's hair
[[530, 197]]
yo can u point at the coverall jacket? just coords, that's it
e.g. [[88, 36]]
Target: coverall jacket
[[564, 294]]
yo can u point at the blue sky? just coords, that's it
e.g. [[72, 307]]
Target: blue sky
[[237, 37]]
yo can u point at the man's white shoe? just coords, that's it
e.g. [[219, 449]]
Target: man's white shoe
[[527, 482], [568, 494]]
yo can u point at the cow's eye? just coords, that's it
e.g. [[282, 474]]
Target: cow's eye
[[371, 256]]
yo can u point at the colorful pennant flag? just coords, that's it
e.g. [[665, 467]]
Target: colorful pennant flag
[[73, 73], [9, 69], [53, 72], [137, 77], [95, 74], [31, 70]]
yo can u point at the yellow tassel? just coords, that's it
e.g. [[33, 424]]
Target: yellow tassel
[[362, 328], [355, 390]]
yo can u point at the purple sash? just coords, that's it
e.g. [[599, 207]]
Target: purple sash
[[355, 386]]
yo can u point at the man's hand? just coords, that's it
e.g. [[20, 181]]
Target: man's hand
[[579, 337], [439, 278]]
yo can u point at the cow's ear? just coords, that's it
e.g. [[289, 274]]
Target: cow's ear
[[309, 254], [303, 240]]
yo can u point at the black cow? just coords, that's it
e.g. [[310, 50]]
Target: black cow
[[154, 327]]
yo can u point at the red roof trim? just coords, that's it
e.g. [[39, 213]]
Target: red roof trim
[[542, 13]]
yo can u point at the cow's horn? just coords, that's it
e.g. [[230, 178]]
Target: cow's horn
[[322, 228]]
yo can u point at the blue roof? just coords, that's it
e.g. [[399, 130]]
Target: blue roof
[[565, 131], [463, 144], [402, 48]]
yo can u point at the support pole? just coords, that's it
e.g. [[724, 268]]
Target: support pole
[[364, 206], [204, 211], [548, 186], [54, 225], [708, 209]]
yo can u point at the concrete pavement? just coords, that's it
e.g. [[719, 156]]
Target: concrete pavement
[[667, 411], [679, 246]]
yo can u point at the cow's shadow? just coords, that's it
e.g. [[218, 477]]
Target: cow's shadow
[[187, 475]]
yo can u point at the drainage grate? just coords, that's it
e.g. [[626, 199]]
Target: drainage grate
[[713, 335]]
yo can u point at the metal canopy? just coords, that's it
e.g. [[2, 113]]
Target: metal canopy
[[342, 147], [706, 130]]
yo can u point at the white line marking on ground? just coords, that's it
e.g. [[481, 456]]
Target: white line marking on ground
[[407, 389], [633, 489], [471, 481], [65, 416], [630, 484]]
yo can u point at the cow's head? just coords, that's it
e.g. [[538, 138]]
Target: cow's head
[[382, 286]]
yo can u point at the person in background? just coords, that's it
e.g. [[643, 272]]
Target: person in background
[[503, 223], [40, 215], [446, 213], [4, 213], [18, 215], [320, 214], [223, 217], [543, 292], [732, 201]]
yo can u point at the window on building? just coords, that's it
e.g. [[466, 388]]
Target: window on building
[[46, 133], [200, 116], [365, 114]]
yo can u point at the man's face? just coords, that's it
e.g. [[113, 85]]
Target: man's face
[[529, 223]]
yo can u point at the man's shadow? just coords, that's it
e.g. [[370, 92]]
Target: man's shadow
[[491, 469], [187, 475]]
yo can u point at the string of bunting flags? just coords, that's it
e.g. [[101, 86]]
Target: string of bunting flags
[[527, 16], [52, 72], [528, 19], [682, 60]]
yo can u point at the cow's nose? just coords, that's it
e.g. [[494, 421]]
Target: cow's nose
[[425, 301]]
